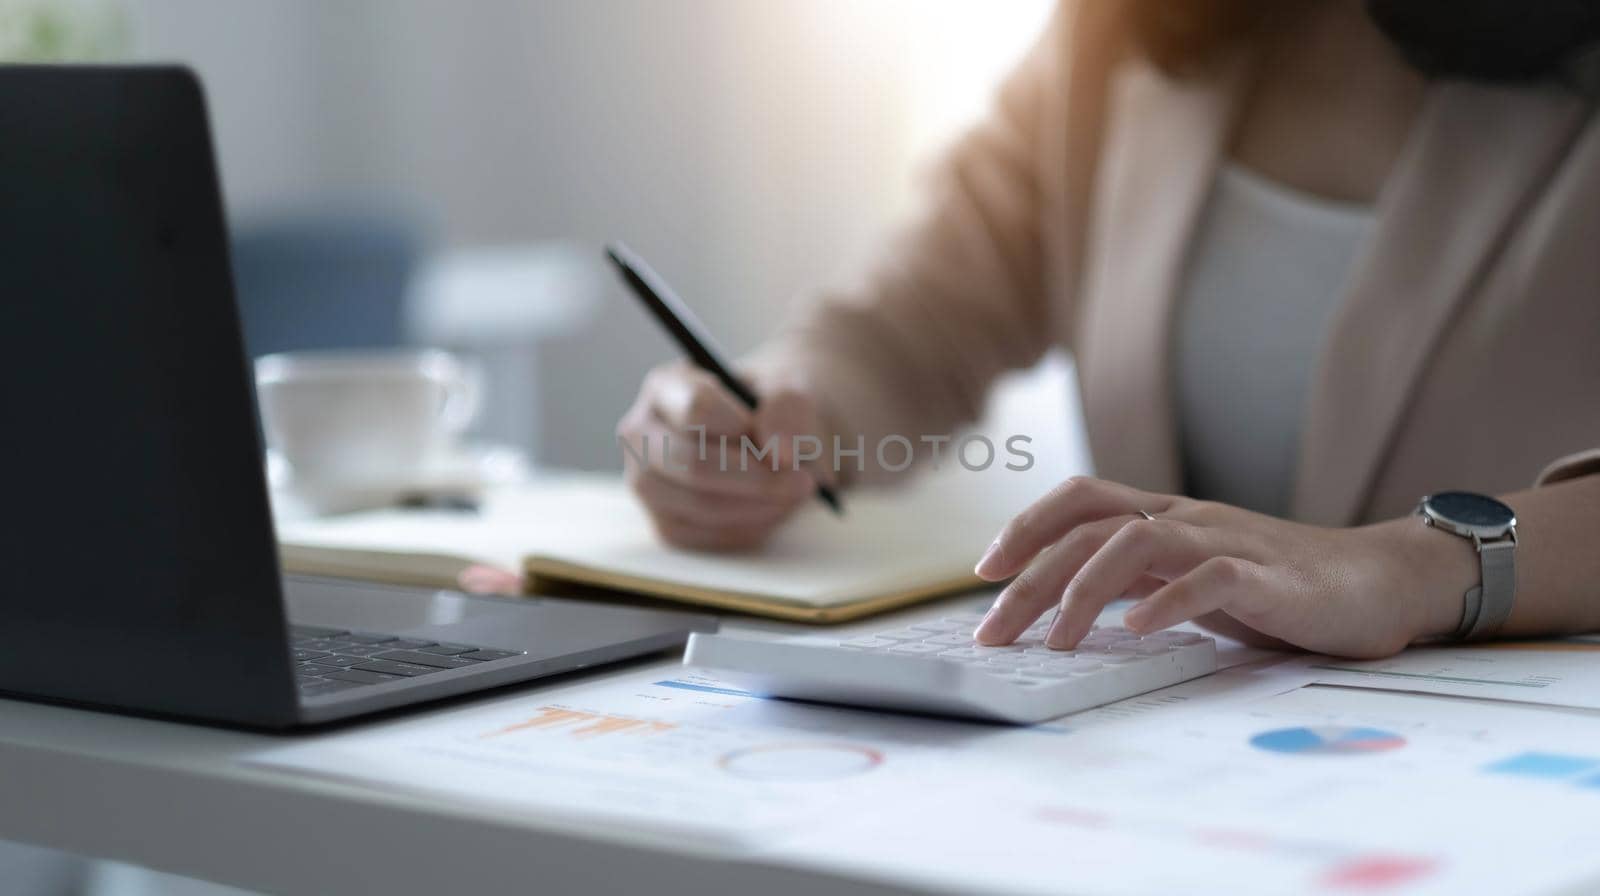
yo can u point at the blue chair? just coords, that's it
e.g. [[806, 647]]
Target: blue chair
[[323, 281]]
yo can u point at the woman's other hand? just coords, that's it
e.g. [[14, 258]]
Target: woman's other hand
[[713, 474], [479, 579], [1363, 592]]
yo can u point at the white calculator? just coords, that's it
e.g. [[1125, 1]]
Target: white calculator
[[935, 667]]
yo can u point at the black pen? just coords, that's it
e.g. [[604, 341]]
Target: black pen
[[689, 333]]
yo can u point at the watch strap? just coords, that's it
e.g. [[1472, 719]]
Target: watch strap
[[1488, 606]]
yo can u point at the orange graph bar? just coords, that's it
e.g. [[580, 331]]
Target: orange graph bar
[[548, 717], [593, 724], [606, 725]]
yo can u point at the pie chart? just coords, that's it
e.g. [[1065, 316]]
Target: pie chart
[[801, 761], [1327, 740]]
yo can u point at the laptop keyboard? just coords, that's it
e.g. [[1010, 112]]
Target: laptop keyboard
[[330, 659]]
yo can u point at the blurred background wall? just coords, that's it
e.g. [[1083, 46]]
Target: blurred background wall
[[752, 149]]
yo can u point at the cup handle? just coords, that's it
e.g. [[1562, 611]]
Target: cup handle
[[463, 397]]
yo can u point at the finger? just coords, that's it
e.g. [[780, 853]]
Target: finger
[[725, 467], [1213, 585], [1165, 549], [689, 397], [480, 579], [1041, 584], [783, 415], [1074, 502], [1146, 586], [709, 508]]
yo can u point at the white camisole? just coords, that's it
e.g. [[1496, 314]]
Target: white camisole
[[1266, 271]]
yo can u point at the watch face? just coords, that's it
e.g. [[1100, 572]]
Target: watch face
[[1477, 512]]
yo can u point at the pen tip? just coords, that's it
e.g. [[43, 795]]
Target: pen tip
[[830, 498]]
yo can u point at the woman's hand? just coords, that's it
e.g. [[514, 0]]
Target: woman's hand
[[685, 459], [1364, 592]]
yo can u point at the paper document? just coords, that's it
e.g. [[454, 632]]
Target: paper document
[[1315, 790], [1249, 781], [682, 756], [1555, 673]]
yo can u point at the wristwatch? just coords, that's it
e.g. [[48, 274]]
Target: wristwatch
[[1492, 527]]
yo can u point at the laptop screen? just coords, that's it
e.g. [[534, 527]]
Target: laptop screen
[[140, 568]]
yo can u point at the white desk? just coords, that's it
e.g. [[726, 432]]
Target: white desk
[[176, 798]]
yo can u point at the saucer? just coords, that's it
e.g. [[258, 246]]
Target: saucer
[[461, 474]]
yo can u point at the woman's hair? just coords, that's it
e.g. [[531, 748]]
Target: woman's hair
[[1504, 41]]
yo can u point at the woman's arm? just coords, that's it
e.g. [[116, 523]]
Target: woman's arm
[[911, 352], [1365, 592], [1558, 563], [959, 297]]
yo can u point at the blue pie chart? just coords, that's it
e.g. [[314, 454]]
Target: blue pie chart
[[1327, 740]]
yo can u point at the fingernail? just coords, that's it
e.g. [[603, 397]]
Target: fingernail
[[990, 558], [1136, 618], [988, 619]]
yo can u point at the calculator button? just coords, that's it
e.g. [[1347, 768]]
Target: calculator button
[[1007, 661], [1052, 670], [950, 640], [996, 650], [1048, 651], [958, 660], [917, 649], [903, 634], [1179, 639], [965, 618], [939, 627], [1119, 659], [966, 653], [868, 643]]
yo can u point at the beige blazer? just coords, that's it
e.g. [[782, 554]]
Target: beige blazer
[[1465, 354]]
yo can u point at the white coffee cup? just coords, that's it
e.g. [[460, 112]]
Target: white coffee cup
[[365, 418]]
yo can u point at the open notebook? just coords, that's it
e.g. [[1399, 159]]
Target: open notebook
[[890, 549]]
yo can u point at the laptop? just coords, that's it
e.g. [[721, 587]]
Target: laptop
[[140, 565]]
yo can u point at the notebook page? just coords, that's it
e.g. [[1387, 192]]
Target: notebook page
[[926, 534]]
